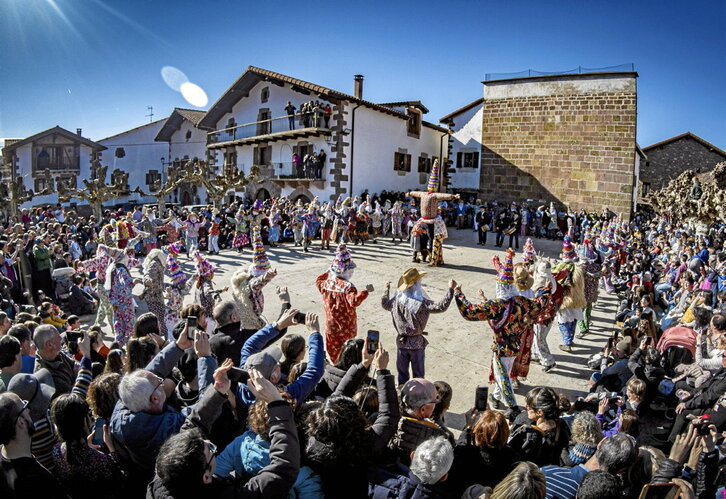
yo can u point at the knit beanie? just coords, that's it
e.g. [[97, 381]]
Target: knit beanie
[[581, 453]]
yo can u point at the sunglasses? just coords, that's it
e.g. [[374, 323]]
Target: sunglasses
[[212, 451], [22, 410]]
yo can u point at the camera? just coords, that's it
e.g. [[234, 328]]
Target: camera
[[702, 424]]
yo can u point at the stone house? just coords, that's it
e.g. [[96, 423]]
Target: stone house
[[669, 158], [371, 146], [465, 148]]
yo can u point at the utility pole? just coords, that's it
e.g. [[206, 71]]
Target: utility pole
[[151, 113]]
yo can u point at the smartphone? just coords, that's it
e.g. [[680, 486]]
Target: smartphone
[[659, 491], [611, 341], [191, 327], [480, 400], [98, 431], [238, 375], [648, 340], [76, 336], [299, 318], [373, 337]]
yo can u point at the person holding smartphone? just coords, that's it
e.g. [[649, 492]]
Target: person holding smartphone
[[410, 308]]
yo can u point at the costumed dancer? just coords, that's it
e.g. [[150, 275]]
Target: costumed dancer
[[213, 246], [171, 226], [430, 200], [523, 281], [297, 222], [588, 261], [175, 292], [530, 255], [247, 285], [147, 225], [274, 220], [340, 298], [124, 231], [153, 280], [376, 221], [571, 277], [191, 227], [99, 264], [440, 233], [310, 226], [543, 279], [360, 222], [328, 223], [396, 222], [204, 288], [241, 239], [508, 315], [410, 307], [120, 285], [419, 240]]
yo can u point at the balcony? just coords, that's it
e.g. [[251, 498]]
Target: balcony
[[56, 164], [286, 173], [270, 130]]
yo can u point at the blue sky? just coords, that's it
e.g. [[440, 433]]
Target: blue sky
[[95, 64]]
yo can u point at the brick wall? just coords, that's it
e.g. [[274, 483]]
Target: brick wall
[[670, 160], [569, 140]]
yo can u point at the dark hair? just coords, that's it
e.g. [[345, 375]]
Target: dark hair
[[9, 350], [367, 399], [599, 484], [616, 453], [291, 346], [296, 371], [629, 422], [718, 321], [103, 394], [8, 413], [69, 413], [444, 392], [72, 319], [651, 357], [702, 315], [351, 354], [21, 332], [146, 324], [114, 361], [181, 462], [139, 352], [545, 399]]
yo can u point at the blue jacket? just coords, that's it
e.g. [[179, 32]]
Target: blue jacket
[[301, 388], [397, 481]]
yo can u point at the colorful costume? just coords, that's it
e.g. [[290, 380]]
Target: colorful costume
[[99, 265], [180, 285], [419, 240], [430, 200], [310, 227], [592, 273], [154, 286], [396, 221], [340, 299], [241, 238], [440, 233], [571, 277], [204, 283], [247, 285], [120, 286], [543, 277]]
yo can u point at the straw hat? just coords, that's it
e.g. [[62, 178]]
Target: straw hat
[[409, 278]]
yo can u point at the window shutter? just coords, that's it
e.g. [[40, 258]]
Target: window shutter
[[476, 160], [459, 156]]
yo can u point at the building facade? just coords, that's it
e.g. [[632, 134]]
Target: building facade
[[42, 160], [671, 157], [465, 146], [566, 138], [367, 146]]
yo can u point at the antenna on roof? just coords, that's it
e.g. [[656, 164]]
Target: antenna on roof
[[151, 113]]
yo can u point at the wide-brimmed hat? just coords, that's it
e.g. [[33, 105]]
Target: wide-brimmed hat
[[409, 278]]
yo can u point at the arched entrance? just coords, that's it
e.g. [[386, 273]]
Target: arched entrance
[[186, 198], [263, 194], [303, 198]]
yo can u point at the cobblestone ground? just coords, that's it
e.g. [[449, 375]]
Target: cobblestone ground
[[459, 351]]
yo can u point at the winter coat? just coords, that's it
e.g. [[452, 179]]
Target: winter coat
[[397, 481]]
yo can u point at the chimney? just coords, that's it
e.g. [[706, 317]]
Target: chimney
[[358, 86], [79, 131]]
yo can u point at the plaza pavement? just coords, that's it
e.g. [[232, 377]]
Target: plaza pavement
[[459, 351]]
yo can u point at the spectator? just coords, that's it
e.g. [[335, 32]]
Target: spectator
[[290, 110], [27, 348], [49, 356], [11, 361], [525, 481], [80, 302], [599, 484]]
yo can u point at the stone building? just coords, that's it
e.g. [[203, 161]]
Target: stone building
[[563, 138], [669, 158]]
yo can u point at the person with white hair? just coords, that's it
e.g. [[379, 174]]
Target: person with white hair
[[410, 308], [153, 271], [430, 465]]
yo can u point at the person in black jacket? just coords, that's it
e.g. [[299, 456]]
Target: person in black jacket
[[500, 225], [708, 399], [186, 462], [484, 224]]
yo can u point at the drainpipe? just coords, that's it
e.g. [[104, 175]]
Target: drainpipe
[[352, 146]]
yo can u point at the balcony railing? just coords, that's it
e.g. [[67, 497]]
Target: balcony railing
[[279, 124], [56, 164], [288, 171]]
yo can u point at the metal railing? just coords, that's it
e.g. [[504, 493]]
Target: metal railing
[[266, 127], [622, 68], [288, 171]]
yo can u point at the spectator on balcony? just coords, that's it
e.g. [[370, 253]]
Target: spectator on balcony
[[297, 165], [309, 163], [320, 164], [305, 112], [327, 113], [290, 109]]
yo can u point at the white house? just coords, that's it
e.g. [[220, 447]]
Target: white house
[[184, 141], [64, 155], [367, 145], [465, 146], [137, 153]]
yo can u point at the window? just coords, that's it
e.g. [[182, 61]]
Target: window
[[231, 127], [424, 164], [646, 189], [401, 162], [120, 152], [230, 158], [265, 94], [40, 184], [414, 123], [55, 158], [263, 123], [467, 159], [68, 180], [153, 179], [188, 135]]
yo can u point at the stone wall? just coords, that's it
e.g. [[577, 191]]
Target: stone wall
[[667, 161], [568, 139]]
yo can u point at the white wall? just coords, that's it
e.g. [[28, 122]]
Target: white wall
[[142, 154], [467, 138], [377, 137], [179, 146]]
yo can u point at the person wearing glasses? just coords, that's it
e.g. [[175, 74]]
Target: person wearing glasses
[[186, 463], [21, 475]]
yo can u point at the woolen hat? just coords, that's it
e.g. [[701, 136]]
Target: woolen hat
[[264, 361], [409, 278]]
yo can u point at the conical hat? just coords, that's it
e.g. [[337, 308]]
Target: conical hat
[[568, 251], [434, 182], [504, 270], [260, 262], [530, 255], [342, 261]]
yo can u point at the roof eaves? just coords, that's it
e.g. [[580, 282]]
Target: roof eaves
[[55, 129], [462, 109], [685, 135], [132, 129]]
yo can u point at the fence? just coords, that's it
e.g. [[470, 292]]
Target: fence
[[287, 170], [622, 68], [263, 127]]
